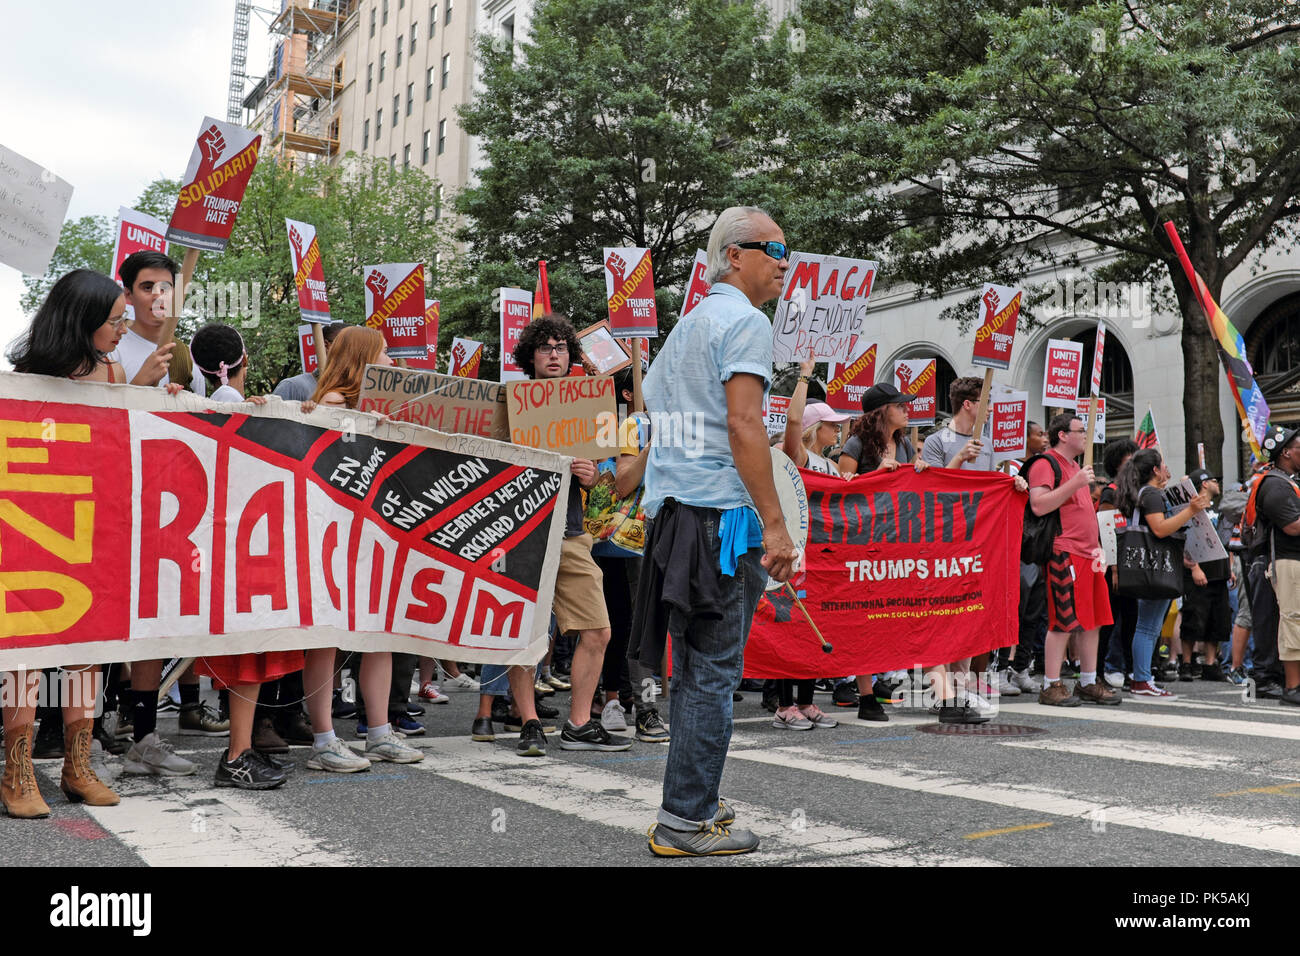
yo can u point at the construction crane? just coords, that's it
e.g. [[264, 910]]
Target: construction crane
[[238, 62]]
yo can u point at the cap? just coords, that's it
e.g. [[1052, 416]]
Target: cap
[[1275, 440], [1199, 476], [877, 396], [817, 412]]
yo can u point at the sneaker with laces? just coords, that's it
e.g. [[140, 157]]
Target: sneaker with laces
[[1006, 686], [956, 712], [1056, 695], [200, 720], [1237, 675], [1114, 679], [819, 719], [408, 727], [514, 724], [544, 710], [1027, 683], [153, 755], [1213, 673], [542, 689], [558, 683], [650, 726], [1185, 671], [591, 736], [337, 757], [845, 695], [869, 708], [887, 692], [789, 718], [248, 772], [712, 840], [532, 741], [1146, 688], [1096, 694], [614, 718], [726, 815], [482, 731], [390, 747], [461, 682], [433, 693]]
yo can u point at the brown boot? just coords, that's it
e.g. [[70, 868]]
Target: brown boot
[[18, 789], [79, 781]]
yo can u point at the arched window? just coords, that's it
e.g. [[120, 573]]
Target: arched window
[[1273, 344]]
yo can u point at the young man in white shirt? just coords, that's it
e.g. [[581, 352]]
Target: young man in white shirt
[[147, 279]]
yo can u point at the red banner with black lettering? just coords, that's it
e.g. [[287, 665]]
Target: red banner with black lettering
[[138, 525], [902, 570]]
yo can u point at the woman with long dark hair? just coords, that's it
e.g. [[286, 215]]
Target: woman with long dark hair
[[71, 335], [1138, 496], [876, 441]]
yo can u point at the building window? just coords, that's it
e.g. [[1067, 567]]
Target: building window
[[383, 61], [379, 121], [370, 76], [413, 29], [392, 161], [385, 13], [406, 156], [447, 16], [365, 134], [433, 20], [428, 85], [410, 97], [437, 204], [399, 52], [424, 153], [442, 136], [397, 108], [401, 4], [372, 21], [446, 69]]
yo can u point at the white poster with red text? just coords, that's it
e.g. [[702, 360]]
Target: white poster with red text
[[1061, 373]]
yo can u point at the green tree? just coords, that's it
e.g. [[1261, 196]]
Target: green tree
[[1026, 129], [617, 124]]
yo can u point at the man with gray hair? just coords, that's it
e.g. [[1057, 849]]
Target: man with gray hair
[[716, 523]]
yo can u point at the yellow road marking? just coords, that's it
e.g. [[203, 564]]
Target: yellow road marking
[[988, 833], [1284, 788]]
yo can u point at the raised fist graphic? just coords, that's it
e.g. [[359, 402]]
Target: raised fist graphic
[[213, 142]]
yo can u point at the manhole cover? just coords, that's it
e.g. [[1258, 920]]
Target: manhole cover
[[982, 730]]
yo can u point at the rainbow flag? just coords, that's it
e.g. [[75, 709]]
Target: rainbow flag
[[542, 292], [1232, 351], [1146, 436]]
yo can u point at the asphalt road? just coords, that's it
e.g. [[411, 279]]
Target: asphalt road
[[1203, 781]]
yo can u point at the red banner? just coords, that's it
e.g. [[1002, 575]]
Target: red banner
[[903, 570], [848, 382], [254, 532], [213, 188]]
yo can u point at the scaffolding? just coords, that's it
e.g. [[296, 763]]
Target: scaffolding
[[304, 83], [238, 62]]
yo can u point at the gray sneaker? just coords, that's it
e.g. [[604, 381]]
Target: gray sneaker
[[1006, 686], [390, 747], [614, 718], [153, 755], [715, 840], [338, 757], [1026, 683]]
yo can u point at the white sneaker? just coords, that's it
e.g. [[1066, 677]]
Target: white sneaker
[[613, 717], [1026, 683], [460, 682], [976, 703], [1115, 679], [153, 755], [390, 747], [1006, 687], [338, 757]]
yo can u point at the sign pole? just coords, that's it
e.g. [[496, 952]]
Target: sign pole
[[982, 413], [916, 436], [1092, 430], [638, 404], [178, 296]]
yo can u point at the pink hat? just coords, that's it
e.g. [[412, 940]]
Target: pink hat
[[817, 412]]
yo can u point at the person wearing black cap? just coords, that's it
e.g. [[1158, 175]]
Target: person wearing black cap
[[1207, 615], [876, 441], [1276, 508]]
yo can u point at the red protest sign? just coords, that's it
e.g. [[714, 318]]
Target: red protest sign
[[136, 232], [774, 413], [848, 382], [516, 312], [466, 356], [213, 188], [630, 290], [1061, 373], [308, 273], [1009, 415], [999, 310], [696, 287], [917, 377], [896, 581], [307, 348], [1097, 351], [395, 306], [429, 362]]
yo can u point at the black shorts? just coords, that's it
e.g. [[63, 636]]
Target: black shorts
[[1207, 614]]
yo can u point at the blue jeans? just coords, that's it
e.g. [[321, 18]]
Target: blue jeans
[[1150, 619], [708, 657]]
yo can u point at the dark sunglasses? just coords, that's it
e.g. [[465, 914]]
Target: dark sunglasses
[[777, 250]]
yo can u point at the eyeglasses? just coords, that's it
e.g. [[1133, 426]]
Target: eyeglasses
[[1078, 431], [561, 349], [118, 324], [777, 250]]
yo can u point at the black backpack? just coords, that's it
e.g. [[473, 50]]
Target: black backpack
[[1040, 531]]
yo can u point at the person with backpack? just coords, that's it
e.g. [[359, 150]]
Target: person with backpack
[[1076, 589], [1274, 515], [1139, 495]]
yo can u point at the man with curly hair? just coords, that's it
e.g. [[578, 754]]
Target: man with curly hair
[[547, 348]]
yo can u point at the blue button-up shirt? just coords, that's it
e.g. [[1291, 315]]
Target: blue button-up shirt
[[690, 456]]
